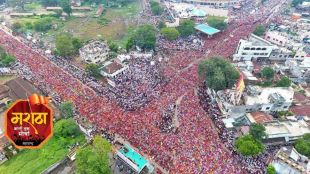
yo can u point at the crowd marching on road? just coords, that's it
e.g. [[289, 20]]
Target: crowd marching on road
[[197, 146]]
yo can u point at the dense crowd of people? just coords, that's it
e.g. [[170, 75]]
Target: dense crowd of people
[[139, 84], [201, 144]]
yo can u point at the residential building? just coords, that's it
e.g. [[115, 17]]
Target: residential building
[[94, 52], [277, 38], [289, 161], [255, 48], [254, 98], [286, 131]]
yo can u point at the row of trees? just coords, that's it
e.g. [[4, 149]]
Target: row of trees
[[251, 144], [268, 74], [40, 25], [185, 29]]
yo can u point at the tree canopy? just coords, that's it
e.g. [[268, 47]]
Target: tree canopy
[[161, 25], [66, 128], [186, 28], [259, 30], [218, 73], [93, 70], [67, 45], [170, 33], [156, 8], [267, 73], [66, 6], [94, 158], [66, 109], [302, 145], [145, 37], [43, 24], [6, 59], [113, 46], [258, 131], [248, 146], [219, 24], [284, 82], [271, 170]]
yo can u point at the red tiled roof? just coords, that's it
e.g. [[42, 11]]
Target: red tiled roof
[[303, 110], [261, 117]]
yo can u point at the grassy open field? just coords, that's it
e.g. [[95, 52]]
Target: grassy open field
[[89, 27], [36, 161]]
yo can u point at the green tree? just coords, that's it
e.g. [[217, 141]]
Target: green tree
[[259, 30], [144, 37], [113, 46], [7, 60], [271, 170], [161, 25], [66, 109], [258, 131], [218, 73], [94, 158], [267, 73], [186, 28], [170, 33], [66, 6], [217, 23], [43, 24], [248, 146], [66, 128], [156, 8], [302, 145], [77, 44], [284, 82], [16, 26], [93, 70], [64, 45], [129, 44]]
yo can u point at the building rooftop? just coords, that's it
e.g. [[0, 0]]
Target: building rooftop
[[266, 94], [289, 128], [206, 29], [134, 157], [258, 41], [20, 88], [259, 117], [112, 67]]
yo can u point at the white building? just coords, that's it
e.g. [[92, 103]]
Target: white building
[[286, 131], [94, 52], [253, 49], [277, 38], [289, 161], [254, 99]]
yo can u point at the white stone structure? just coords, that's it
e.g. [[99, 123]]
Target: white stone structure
[[94, 52], [253, 49]]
